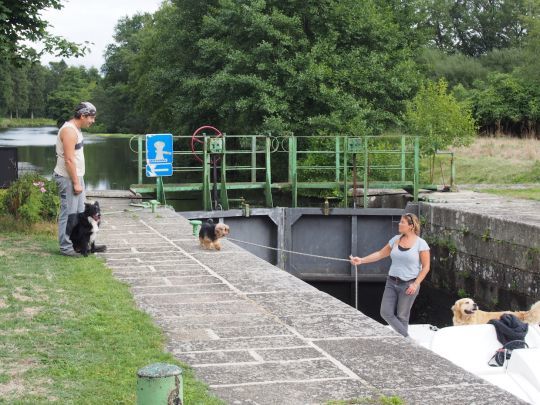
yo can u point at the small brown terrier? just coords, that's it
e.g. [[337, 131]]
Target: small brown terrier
[[210, 234]]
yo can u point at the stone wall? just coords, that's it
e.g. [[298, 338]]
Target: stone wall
[[482, 254]]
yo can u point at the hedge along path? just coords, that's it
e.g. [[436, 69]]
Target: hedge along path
[[69, 332]]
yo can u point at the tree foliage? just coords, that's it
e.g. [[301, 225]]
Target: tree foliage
[[253, 65], [21, 21], [475, 27], [439, 118], [32, 90]]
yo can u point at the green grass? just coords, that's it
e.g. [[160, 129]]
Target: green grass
[[532, 193], [498, 161], [69, 332], [484, 170], [26, 122]]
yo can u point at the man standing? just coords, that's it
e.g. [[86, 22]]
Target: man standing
[[69, 172]]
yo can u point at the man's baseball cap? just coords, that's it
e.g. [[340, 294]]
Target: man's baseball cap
[[85, 108]]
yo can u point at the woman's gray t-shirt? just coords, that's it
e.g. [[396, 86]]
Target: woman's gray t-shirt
[[406, 264]]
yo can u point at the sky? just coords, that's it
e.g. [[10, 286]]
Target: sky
[[94, 21]]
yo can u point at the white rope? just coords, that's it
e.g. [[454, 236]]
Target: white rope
[[310, 255], [290, 251]]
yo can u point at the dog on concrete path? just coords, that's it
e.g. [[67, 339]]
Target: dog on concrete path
[[83, 227], [211, 233], [466, 312]]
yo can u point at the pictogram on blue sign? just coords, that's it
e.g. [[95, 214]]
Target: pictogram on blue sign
[[159, 148], [159, 155], [157, 170]]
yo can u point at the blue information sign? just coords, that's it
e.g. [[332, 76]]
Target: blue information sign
[[159, 148], [159, 155]]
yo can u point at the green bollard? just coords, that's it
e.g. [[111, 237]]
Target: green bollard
[[160, 384], [154, 204], [195, 224]]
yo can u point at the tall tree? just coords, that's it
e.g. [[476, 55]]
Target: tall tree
[[475, 27], [36, 77], [6, 88], [254, 65], [21, 88]]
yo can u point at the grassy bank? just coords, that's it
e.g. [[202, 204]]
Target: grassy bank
[[500, 161], [26, 122], [69, 332]]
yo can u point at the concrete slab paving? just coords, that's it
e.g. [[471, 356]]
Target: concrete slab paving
[[258, 335]]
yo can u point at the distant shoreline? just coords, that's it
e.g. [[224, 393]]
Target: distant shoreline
[[6, 123]]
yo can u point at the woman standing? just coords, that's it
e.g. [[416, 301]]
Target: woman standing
[[410, 265]]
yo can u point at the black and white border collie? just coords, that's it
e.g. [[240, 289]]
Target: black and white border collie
[[83, 227]]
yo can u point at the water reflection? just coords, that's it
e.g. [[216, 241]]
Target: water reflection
[[110, 164]]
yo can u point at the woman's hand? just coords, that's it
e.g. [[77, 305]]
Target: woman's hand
[[355, 260], [412, 288]]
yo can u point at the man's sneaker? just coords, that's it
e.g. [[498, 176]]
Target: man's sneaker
[[98, 249], [71, 253]]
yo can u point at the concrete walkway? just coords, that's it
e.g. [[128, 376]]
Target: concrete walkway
[[258, 335]]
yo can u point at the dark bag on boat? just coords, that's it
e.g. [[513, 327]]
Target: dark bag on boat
[[505, 352], [510, 332]]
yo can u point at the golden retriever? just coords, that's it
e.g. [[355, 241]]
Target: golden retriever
[[466, 312]]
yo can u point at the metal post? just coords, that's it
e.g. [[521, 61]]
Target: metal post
[[254, 159], [345, 172], [416, 167], [160, 384], [140, 159], [206, 176], [366, 170], [452, 171], [268, 174], [403, 157], [337, 159], [290, 160], [224, 194], [294, 171]]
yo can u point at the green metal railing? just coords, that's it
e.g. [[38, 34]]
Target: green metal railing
[[313, 162]]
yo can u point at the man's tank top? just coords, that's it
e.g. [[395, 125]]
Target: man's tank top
[[79, 155]]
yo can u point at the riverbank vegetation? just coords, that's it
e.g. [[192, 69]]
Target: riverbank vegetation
[[500, 162], [26, 122], [69, 331]]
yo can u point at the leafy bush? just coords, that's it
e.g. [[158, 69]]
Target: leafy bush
[[32, 198], [439, 118]]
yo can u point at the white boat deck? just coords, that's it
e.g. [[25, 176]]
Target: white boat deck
[[471, 347]]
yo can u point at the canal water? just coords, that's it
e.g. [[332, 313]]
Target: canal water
[[110, 164]]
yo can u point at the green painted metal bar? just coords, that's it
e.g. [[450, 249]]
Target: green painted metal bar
[[345, 171], [140, 158], [416, 167], [452, 171], [293, 170], [337, 173], [224, 197], [268, 173], [253, 159], [403, 158], [337, 158], [207, 201], [160, 192], [366, 171]]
